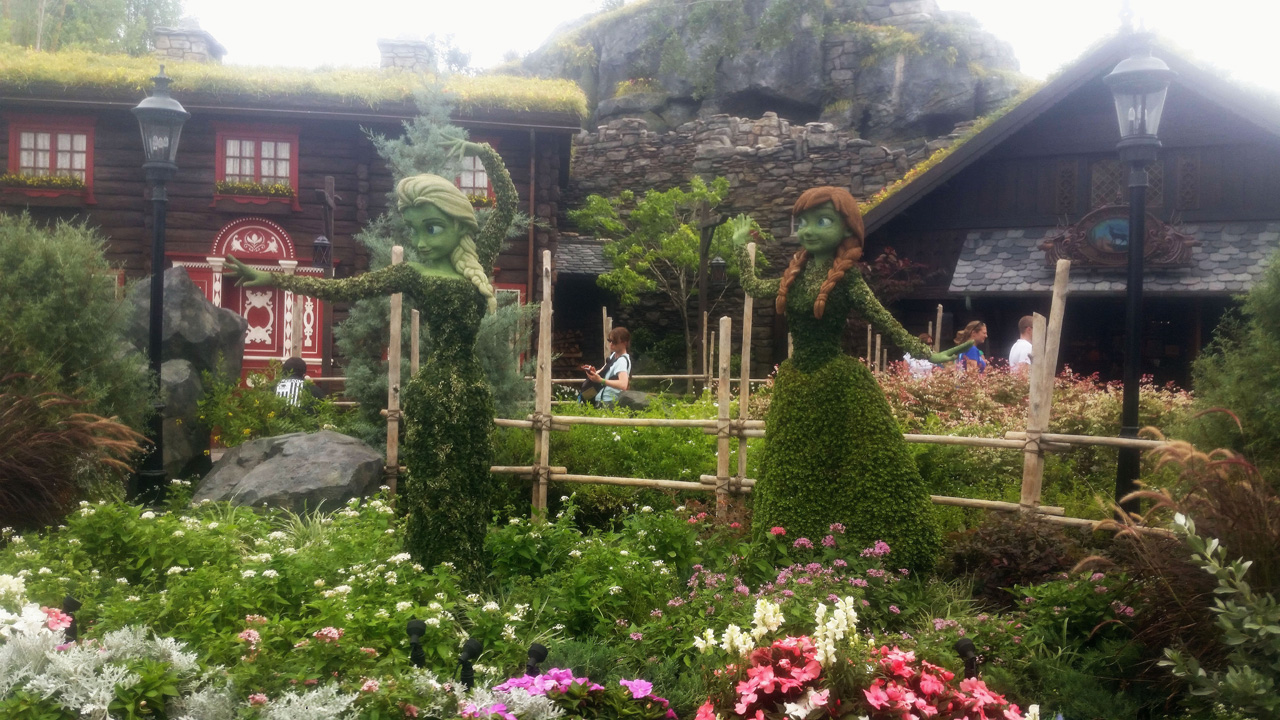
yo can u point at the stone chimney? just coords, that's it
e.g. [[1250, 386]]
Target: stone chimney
[[187, 43], [415, 55]]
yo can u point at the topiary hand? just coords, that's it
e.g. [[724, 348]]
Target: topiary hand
[[950, 354], [459, 147], [742, 227], [246, 276]]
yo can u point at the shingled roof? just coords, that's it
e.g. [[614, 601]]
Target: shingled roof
[[581, 255], [1230, 259]]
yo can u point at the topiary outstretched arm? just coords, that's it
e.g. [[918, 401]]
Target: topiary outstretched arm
[[494, 232], [867, 305], [756, 287], [388, 280]]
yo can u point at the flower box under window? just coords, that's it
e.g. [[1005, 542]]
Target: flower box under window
[[50, 160], [257, 169]]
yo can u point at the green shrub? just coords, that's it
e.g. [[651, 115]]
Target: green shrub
[[60, 319], [240, 413], [1238, 372]]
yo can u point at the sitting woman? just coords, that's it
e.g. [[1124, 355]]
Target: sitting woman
[[614, 376]]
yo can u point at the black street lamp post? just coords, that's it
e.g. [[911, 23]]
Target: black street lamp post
[[1139, 84], [160, 118]]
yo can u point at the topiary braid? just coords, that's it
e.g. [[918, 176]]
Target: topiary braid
[[793, 271], [849, 252], [467, 262]]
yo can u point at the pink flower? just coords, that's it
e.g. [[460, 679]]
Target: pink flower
[[1100, 589], [56, 619], [837, 528], [369, 651], [1096, 577], [777, 530], [829, 541], [250, 636], [410, 710], [706, 711], [328, 634], [255, 620], [637, 636], [370, 686], [894, 609], [876, 695], [735, 525], [257, 699], [639, 688], [693, 520], [880, 549], [804, 543]]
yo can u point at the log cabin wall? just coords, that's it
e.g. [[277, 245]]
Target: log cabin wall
[[337, 148]]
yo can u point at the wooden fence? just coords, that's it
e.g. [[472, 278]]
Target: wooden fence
[[1034, 442]]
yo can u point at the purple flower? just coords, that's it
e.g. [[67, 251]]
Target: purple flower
[[837, 528], [880, 549], [639, 688], [894, 609], [829, 541], [804, 543], [1096, 577], [655, 613], [838, 562], [637, 636]]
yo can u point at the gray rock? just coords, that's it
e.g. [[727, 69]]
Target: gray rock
[[185, 438], [634, 400], [209, 337], [297, 472]]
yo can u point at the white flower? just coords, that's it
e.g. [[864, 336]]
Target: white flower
[[319, 582], [148, 515], [680, 509], [646, 509], [342, 589], [658, 563], [212, 526], [398, 559], [382, 613], [435, 606], [173, 570], [433, 621], [473, 598], [491, 607], [623, 553], [389, 531], [575, 553], [270, 573], [122, 581], [513, 521], [706, 641], [564, 498], [249, 574], [557, 627], [133, 598], [403, 605], [1033, 713], [277, 535], [768, 618], [615, 590], [509, 632], [288, 551], [44, 571], [178, 533], [735, 639]]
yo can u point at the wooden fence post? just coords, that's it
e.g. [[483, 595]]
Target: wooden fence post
[[1045, 339], [542, 396], [393, 381], [870, 364], [606, 326], [722, 427], [744, 385], [415, 330], [876, 365], [937, 338]]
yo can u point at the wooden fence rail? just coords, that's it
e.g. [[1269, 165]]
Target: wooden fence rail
[[1033, 442]]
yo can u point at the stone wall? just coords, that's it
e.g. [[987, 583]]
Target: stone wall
[[768, 163], [187, 43], [413, 55]]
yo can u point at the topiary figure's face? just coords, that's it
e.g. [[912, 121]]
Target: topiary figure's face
[[435, 234], [821, 230]]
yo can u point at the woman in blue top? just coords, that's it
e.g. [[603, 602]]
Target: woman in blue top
[[615, 376], [972, 359]]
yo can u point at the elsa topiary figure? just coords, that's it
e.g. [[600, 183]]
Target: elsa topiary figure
[[447, 405], [834, 453]]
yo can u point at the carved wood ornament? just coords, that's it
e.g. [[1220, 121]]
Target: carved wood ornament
[[1101, 239]]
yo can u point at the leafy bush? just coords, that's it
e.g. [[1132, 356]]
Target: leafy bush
[[60, 319], [240, 413], [1009, 550], [1238, 371]]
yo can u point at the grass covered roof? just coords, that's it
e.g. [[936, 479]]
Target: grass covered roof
[[22, 69]]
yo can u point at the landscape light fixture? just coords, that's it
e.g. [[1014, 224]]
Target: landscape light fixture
[[969, 654], [322, 253], [471, 650], [416, 629], [1139, 85], [719, 270], [537, 656], [160, 118]]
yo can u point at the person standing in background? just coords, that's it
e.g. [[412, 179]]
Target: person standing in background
[[920, 366], [972, 360], [614, 376], [1020, 353]]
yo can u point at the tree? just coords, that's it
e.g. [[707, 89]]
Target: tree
[[122, 26], [655, 244]]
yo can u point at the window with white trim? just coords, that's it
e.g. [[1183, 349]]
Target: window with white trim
[[268, 162], [473, 179], [53, 153]]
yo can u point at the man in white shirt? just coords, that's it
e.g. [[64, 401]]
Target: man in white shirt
[[1020, 353]]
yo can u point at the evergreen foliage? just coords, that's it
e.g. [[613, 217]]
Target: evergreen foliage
[[1238, 372], [60, 320], [102, 25]]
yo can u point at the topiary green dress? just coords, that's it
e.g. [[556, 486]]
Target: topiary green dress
[[447, 405], [833, 451]]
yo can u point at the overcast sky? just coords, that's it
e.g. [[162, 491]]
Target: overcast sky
[[1234, 36]]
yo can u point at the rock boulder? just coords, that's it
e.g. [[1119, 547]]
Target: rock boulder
[[296, 472], [209, 337], [185, 438]]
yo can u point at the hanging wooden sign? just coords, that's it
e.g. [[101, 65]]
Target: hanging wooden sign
[[1101, 239]]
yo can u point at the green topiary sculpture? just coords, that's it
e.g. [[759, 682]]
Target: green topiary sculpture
[[448, 407], [834, 453]]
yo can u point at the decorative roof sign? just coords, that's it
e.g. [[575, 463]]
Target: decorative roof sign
[[253, 238], [1101, 239]]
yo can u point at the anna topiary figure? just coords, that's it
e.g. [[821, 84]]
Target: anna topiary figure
[[447, 406], [834, 453]]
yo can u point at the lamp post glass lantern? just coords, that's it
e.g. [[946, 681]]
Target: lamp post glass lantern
[[1139, 85], [160, 118]]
